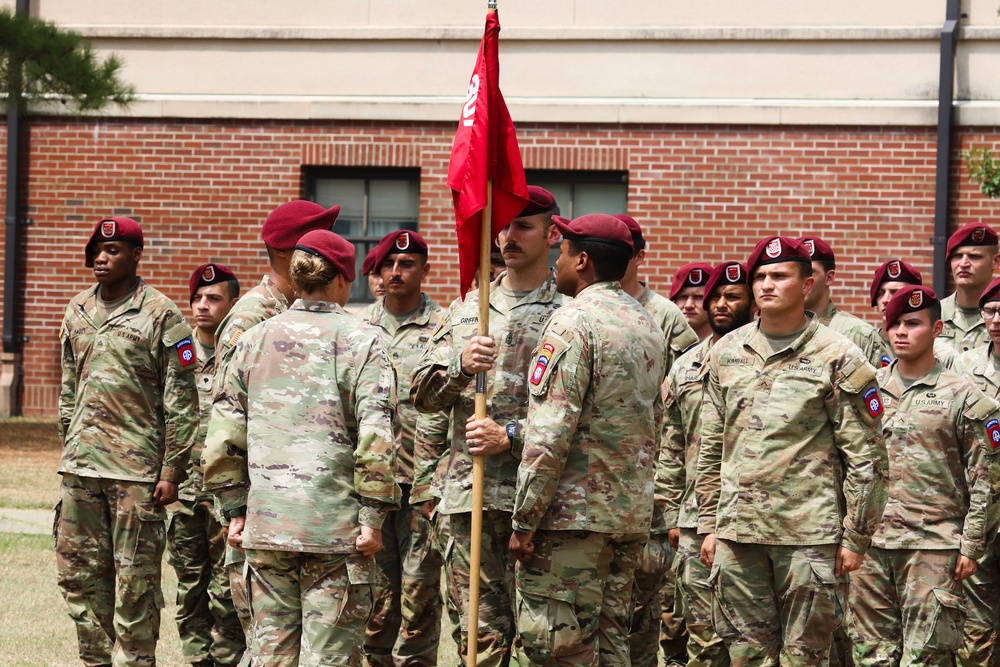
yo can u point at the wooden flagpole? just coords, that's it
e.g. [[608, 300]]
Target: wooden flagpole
[[478, 462]]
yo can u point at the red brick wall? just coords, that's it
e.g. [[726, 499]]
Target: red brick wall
[[202, 189]]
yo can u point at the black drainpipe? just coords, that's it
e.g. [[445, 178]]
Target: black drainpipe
[[946, 114], [13, 289]]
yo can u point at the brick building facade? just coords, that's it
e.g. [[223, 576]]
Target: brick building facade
[[201, 189]]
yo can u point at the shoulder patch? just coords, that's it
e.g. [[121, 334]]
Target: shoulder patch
[[886, 360], [873, 402], [543, 364], [993, 433], [185, 352], [235, 338]]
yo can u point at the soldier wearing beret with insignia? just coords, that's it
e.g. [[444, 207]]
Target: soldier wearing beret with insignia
[[521, 301], [687, 291], [128, 419], [374, 275], [907, 605], [791, 471], [982, 589], [406, 623], [301, 457], [973, 257], [584, 498], [281, 231], [730, 305], [207, 621], [856, 330]]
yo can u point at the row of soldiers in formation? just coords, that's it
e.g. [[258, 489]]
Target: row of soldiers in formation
[[326, 477]]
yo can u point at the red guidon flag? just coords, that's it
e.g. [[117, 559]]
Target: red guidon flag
[[485, 149]]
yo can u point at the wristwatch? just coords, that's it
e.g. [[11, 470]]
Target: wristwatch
[[238, 511], [511, 432]]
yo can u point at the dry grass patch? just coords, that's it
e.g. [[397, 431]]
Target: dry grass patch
[[30, 450]]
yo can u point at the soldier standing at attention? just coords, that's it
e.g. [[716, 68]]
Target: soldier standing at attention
[[729, 304], [584, 497], [906, 600], [982, 589], [824, 273], [973, 257], [207, 622], [300, 456], [521, 300], [280, 232], [374, 276], [687, 291], [128, 417], [655, 583], [791, 472], [585, 484], [406, 624], [890, 277]]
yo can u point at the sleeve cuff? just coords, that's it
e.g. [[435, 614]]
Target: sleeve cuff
[[455, 372], [172, 474], [421, 494], [230, 498], [522, 527], [855, 541], [373, 516], [970, 549]]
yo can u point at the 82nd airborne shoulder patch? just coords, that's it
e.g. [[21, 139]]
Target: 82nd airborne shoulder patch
[[185, 352], [873, 403], [541, 363], [993, 433]]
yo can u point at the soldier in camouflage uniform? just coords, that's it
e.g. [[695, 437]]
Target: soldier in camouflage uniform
[[584, 496], [687, 292], [128, 419], [300, 456], [655, 581], [374, 276], [791, 470], [982, 589], [209, 628], [973, 257], [521, 300], [824, 272], [406, 624], [906, 600], [280, 232], [729, 304]]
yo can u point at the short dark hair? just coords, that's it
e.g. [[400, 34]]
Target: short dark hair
[[827, 264], [610, 260], [234, 288], [935, 308], [638, 243], [805, 270]]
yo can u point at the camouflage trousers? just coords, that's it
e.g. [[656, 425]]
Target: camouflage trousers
[[574, 598], [982, 599], [906, 608], [496, 585], [441, 536], [206, 619], [694, 603], [673, 629], [405, 627], [653, 589], [777, 604], [309, 609], [109, 539]]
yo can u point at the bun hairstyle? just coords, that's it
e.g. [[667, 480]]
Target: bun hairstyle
[[310, 272]]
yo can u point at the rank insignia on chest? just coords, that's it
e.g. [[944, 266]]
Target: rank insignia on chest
[[541, 363], [993, 433], [185, 352], [873, 402]]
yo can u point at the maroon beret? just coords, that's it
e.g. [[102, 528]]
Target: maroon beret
[[540, 201], [894, 270], [974, 233], [694, 274], [991, 293], [331, 247], [633, 226], [910, 299], [208, 274], [596, 227], [113, 229], [286, 224], [727, 273], [402, 241], [817, 248], [368, 265], [774, 249]]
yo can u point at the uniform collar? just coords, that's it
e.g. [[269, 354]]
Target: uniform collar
[[273, 291], [895, 387], [753, 336], [420, 317], [317, 306], [544, 293]]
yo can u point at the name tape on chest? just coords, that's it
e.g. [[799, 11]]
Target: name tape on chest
[[873, 402], [993, 433], [185, 352]]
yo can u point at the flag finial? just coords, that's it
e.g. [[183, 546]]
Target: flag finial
[[491, 5]]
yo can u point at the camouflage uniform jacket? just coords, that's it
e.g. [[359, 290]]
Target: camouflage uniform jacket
[[678, 333], [128, 407], [430, 463], [857, 331], [677, 465], [977, 365], [961, 331], [301, 431], [938, 434], [191, 488], [405, 346], [792, 450], [438, 384], [261, 303], [594, 417]]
